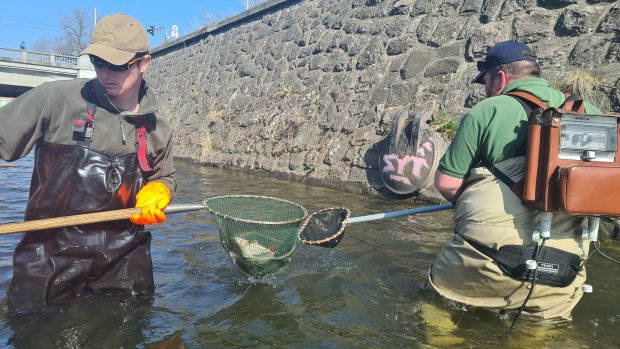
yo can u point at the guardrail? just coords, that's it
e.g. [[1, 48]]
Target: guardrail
[[39, 57]]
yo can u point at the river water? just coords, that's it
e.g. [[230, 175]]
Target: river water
[[362, 294]]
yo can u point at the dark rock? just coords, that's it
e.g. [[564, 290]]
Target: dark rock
[[490, 10], [470, 7], [415, 64], [446, 32], [589, 51], [532, 27], [399, 46], [577, 21], [401, 7], [371, 55], [615, 97], [443, 67], [511, 8], [554, 4], [613, 53], [611, 23]]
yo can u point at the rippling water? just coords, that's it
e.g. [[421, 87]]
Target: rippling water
[[361, 294]]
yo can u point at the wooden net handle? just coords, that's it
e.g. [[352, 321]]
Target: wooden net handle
[[58, 222], [88, 218]]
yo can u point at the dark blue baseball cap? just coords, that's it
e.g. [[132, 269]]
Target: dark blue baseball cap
[[503, 53]]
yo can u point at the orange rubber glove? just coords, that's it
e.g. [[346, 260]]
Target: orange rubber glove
[[153, 198]]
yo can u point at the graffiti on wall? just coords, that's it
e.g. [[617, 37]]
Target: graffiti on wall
[[408, 161], [409, 167], [407, 172]]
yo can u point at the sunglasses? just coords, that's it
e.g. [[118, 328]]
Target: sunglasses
[[100, 64]]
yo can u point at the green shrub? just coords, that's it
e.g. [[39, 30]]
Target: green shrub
[[310, 166], [444, 123]]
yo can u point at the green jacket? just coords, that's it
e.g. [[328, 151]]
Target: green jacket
[[496, 128], [48, 112]]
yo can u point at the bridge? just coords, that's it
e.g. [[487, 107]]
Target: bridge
[[21, 70]]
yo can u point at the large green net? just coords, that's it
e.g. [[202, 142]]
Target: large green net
[[258, 232]]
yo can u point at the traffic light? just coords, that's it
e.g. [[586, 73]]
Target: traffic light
[[151, 30]]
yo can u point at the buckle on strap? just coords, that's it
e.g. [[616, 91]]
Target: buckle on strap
[[84, 128]]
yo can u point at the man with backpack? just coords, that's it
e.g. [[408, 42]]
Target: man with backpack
[[478, 174]]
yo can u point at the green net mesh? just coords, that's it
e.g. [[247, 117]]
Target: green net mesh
[[258, 232]]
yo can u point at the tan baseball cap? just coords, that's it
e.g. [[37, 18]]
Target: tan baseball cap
[[117, 38]]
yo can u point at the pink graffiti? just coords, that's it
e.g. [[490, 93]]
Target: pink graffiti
[[418, 161]]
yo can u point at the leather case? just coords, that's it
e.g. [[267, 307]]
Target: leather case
[[589, 190]]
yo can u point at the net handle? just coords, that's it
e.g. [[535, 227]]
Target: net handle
[[88, 218], [392, 214]]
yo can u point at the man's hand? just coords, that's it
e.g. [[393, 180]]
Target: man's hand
[[152, 198]]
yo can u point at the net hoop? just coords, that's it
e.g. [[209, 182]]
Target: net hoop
[[225, 216], [335, 237]]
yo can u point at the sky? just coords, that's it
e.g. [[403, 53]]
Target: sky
[[33, 20]]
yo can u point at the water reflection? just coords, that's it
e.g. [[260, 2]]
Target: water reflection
[[86, 322], [362, 294]]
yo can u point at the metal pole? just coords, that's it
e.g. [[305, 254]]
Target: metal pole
[[424, 209]]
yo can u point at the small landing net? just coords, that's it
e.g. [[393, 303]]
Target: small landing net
[[325, 228]]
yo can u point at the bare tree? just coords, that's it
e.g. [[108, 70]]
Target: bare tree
[[76, 29], [44, 45], [208, 18]]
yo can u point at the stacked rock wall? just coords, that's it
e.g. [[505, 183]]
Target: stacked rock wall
[[307, 89]]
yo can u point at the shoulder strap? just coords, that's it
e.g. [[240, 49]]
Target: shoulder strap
[[515, 187], [528, 97], [528, 101], [573, 102], [91, 109], [143, 161]]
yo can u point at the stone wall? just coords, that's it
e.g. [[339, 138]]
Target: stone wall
[[307, 90]]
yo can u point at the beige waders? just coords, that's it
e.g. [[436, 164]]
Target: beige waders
[[489, 213]]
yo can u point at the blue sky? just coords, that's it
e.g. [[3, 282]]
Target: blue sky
[[32, 20]]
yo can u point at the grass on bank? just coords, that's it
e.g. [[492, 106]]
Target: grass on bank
[[444, 123], [581, 82]]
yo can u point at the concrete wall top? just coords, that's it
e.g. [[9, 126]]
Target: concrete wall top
[[218, 27]]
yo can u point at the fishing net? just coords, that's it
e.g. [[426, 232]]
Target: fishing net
[[324, 228], [258, 232]]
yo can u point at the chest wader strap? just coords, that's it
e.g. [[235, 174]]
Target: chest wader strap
[[142, 159], [89, 127], [556, 267], [515, 187]]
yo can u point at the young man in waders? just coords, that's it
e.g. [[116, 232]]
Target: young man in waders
[[99, 145], [490, 146]]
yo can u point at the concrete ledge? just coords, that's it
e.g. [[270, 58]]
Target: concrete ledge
[[248, 15], [38, 67]]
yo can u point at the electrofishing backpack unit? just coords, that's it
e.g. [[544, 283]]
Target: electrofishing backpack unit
[[571, 163]]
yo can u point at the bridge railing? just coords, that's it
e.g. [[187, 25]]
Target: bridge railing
[[39, 57]]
